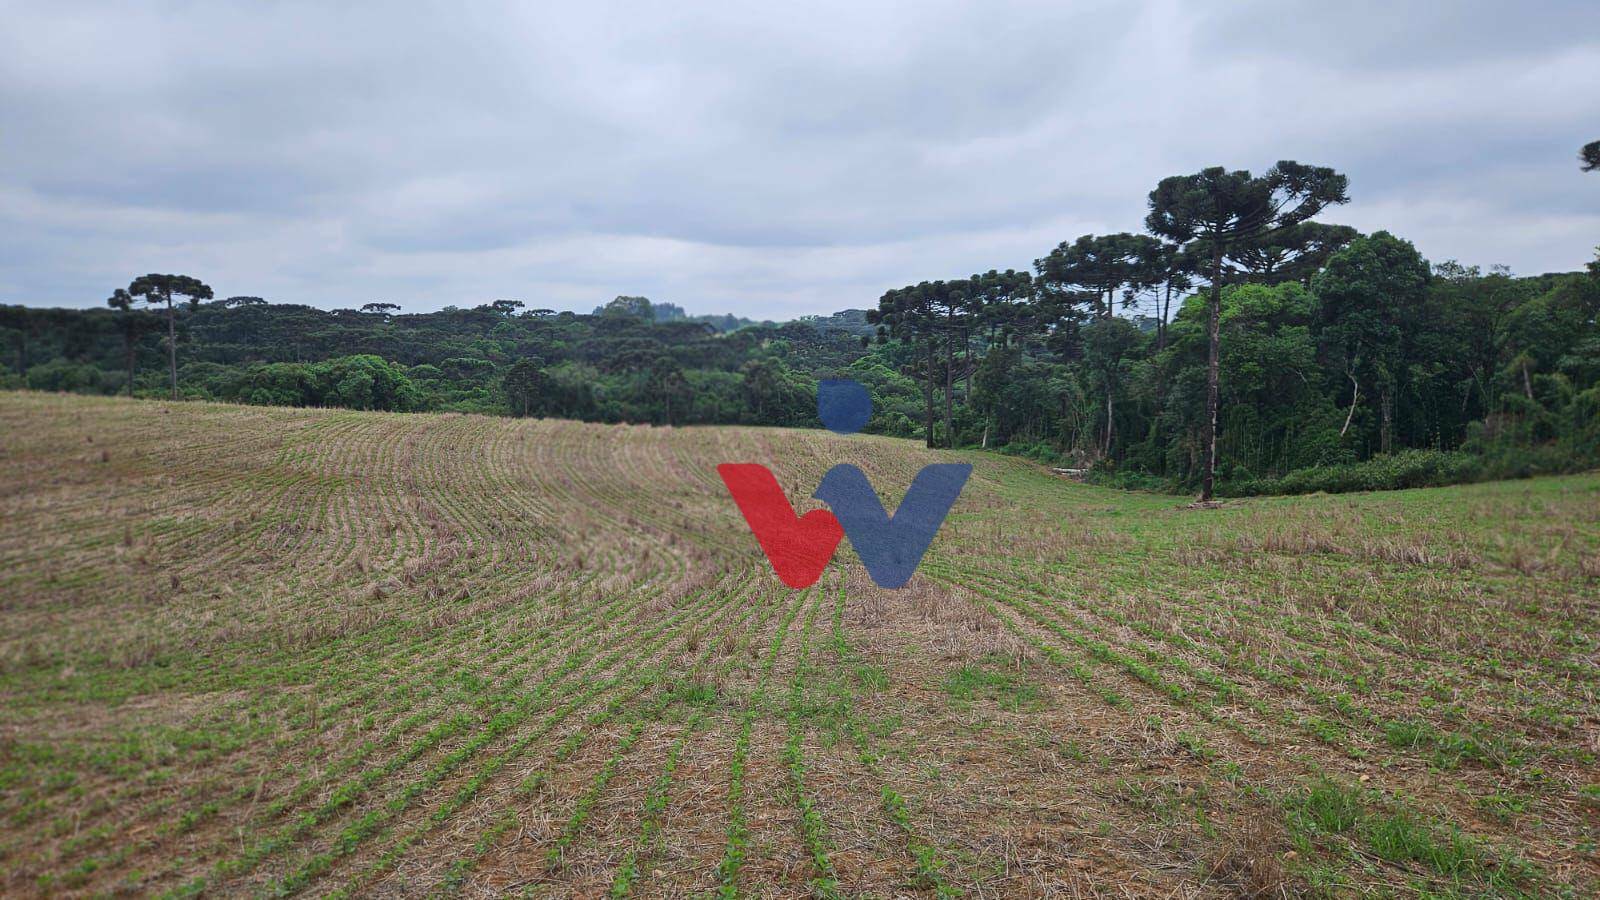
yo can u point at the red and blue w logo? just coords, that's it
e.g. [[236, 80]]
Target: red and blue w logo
[[799, 547]]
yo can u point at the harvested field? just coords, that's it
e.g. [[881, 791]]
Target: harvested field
[[269, 651]]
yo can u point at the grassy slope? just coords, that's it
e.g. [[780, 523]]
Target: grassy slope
[[248, 649]]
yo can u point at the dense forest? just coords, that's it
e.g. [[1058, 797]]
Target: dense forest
[[621, 364], [1238, 344]]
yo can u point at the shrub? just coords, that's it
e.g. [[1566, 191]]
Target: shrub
[[1394, 471], [79, 378], [1421, 468], [1128, 480]]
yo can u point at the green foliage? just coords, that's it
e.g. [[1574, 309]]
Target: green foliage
[[633, 307], [1331, 807], [616, 366], [1371, 305], [526, 387], [1100, 266], [354, 382], [1406, 469], [1009, 690], [1401, 838], [1222, 215], [73, 377], [1344, 363], [772, 393]]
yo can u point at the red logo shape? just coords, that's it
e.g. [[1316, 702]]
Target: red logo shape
[[798, 547]]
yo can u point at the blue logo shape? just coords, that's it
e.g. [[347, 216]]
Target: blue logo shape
[[844, 406], [891, 548]]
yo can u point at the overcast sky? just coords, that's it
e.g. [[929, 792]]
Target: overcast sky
[[769, 160]]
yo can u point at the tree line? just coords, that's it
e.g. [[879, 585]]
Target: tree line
[[1296, 344], [630, 361], [1234, 345]]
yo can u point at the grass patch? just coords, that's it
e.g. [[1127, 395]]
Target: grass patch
[[1008, 690]]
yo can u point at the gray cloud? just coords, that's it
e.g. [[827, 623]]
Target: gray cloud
[[770, 162]]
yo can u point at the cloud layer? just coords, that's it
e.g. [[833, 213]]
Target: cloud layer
[[770, 162]]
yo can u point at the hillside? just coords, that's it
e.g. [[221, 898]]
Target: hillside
[[255, 649]]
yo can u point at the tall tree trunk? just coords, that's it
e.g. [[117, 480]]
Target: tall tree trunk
[[128, 345], [172, 346], [1527, 382], [949, 389], [927, 393], [967, 368], [1105, 316], [1161, 323], [1355, 396], [1386, 411], [1213, 365], [1111, 422]]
